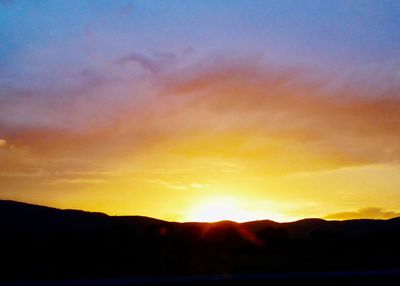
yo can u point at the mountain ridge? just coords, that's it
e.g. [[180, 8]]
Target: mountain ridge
[[48, 243], [303, 220]]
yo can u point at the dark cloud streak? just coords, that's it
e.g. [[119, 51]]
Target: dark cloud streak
[[364, 213]]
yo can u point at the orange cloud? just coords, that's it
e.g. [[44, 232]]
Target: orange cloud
[[240, 108], [296, 107]]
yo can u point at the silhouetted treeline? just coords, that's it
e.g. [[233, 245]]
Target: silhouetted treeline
[[45, 243]]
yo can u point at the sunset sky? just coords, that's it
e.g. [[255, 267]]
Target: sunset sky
[[202, 110]]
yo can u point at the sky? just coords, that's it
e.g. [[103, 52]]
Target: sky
[[202, 110]]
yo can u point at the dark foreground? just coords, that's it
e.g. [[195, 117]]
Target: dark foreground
[[322, 278], [47, 246]]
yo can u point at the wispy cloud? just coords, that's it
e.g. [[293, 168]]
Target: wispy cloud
[[76, 181], [144, 61]]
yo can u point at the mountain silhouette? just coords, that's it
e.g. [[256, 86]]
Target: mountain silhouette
[[47, 243]]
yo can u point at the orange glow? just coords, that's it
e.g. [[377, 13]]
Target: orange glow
[[224, 142]]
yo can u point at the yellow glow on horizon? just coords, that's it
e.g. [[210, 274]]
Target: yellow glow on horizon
[[234, 176], [220, 208]]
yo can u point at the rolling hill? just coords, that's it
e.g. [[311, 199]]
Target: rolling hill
[[46, 243]]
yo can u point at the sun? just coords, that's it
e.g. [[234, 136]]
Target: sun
[[220, 208]]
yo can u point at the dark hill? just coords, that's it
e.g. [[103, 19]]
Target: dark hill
[[17, 216], [46, 243]]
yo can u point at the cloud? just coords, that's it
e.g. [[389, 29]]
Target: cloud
[[76, 181], [146, 62], [237, 109], [3, 142], [305, 111], [198, 186], [364, 213]]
